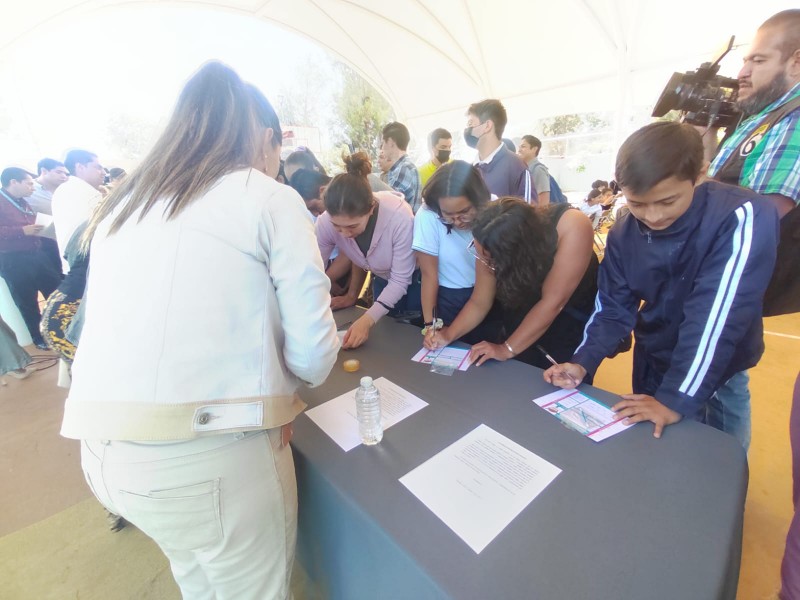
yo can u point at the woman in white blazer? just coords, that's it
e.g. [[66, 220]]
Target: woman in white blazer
[[206, 307]]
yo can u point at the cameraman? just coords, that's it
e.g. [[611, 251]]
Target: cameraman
[[763, 154]]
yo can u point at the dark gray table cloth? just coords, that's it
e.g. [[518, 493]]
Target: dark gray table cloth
[[630, 517]]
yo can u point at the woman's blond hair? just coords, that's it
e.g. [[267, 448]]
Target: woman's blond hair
[[217, 127]]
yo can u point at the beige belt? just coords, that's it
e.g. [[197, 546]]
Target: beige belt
[[146, 421]]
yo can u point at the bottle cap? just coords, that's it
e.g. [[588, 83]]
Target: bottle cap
[[351, 366], [366, 381]]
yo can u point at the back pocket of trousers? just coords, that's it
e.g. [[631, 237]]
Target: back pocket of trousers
[[183, 518]]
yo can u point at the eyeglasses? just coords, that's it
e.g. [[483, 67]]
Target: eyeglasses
[[465, 216], [473, 252]]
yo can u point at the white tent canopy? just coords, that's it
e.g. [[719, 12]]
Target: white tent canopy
[[432, 59]]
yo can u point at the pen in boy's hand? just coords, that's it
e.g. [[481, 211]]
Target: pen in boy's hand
[[555, 364]]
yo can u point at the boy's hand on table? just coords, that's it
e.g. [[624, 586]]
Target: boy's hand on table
[[641, 407]]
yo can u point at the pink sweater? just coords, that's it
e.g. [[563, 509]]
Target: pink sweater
[[389, 256]]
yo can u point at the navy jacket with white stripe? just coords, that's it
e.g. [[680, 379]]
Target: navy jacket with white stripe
[[691, 293]]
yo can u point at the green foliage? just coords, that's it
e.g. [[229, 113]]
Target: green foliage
[[566, 124], [561, 125], [300, 102], [360, 113]]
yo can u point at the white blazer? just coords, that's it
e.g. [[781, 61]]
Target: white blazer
[[227, 304]]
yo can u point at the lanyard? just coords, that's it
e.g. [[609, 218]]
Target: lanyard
[[24, 208]]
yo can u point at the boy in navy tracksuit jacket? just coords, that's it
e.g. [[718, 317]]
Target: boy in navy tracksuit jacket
[[686, 270]]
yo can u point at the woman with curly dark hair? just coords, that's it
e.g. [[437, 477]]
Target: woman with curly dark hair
[[540, 266]]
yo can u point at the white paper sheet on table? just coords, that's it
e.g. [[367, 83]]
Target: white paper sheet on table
[[582, 413], [449, 354], [337, 417], [479, 484]]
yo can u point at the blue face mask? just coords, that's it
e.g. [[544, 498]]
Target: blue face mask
[[472, 140]]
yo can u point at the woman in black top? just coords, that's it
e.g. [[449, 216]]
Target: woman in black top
[[540, 265]]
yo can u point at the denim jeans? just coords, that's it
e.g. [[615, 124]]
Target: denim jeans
[[729, 409], [408, 304]]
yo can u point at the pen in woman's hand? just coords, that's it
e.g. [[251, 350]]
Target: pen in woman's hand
[[555, 364]]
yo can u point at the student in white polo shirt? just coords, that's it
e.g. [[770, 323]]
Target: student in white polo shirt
[[453, 198]]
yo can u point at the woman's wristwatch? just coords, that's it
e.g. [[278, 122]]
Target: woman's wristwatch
[[509, 348]]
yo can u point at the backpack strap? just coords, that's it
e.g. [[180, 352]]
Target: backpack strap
[[731, 169]]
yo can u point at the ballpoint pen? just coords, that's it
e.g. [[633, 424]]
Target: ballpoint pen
[[555, 364]]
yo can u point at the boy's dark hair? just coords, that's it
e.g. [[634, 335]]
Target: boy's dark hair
[[657, 152], [491, 110], [308, 183], [116, 172], [397, 132], [10, 174], [533, 141], [78, 157], [305, 159], [48, 164], [439, 134]]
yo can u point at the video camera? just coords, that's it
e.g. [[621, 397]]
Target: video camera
[[705, 98]]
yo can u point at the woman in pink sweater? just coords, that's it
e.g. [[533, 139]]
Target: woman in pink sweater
[[374, 231]]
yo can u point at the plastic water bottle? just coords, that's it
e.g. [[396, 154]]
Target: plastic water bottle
[[368, 410]]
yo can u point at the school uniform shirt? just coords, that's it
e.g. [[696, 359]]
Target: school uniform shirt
[[540, 176], [431, 236], [389, 255], [702, 282], [506, 174]]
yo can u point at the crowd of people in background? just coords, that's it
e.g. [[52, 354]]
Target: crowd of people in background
[[207, 281]]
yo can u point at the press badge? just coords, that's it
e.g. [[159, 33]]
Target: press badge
[[216, 417]]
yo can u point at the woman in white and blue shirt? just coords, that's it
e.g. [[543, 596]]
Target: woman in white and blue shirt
[[453, 198]]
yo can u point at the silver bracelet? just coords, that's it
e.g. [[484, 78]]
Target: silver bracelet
[[509, 348]]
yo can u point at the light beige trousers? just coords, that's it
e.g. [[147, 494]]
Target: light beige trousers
[[222, 508]]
